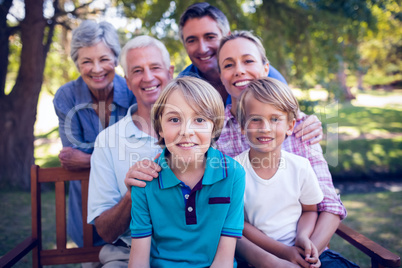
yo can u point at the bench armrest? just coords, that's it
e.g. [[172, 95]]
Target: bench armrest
[[14, 255], [378, 254]]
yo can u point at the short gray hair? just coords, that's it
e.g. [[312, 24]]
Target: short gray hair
[[203, 9], [141, 42], [90, 33]]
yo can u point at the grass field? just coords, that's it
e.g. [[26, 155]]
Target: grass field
[[377, 215]]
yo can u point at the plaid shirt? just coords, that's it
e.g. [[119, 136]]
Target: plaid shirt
[[231, 142]]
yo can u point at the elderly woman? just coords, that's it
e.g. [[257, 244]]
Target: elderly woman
[[96, 100]]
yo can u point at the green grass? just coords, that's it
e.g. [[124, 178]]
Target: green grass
[[366, 142], [15, 218], [376, 215]]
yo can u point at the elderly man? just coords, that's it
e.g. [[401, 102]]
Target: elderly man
[[146, 64]]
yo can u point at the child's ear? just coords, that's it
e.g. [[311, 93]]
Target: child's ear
[[290, 127]]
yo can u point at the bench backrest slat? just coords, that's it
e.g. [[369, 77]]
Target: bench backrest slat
[[61, 255]]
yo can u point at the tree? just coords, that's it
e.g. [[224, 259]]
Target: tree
[[18, 108], [309, 41]]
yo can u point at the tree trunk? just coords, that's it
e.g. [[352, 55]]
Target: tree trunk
[[342, 82], [18, 109], [360, 76]]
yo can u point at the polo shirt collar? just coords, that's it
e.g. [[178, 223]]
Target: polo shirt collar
[[121, 90], [216, 169], [129, 128]]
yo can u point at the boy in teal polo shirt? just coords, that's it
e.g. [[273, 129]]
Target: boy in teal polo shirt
[[192, 215]]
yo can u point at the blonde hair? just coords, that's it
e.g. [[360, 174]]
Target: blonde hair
[[248, 36], [270, 91], [202, 97]]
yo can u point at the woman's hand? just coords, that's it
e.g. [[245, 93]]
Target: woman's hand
[[309, 129], [74, 159]]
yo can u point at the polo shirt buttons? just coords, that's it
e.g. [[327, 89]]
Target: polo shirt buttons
[[190, 209], [186, 196]]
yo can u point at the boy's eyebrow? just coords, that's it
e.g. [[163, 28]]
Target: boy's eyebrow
[[171, 112]]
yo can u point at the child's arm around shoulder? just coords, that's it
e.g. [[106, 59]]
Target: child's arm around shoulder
[[140, 252]]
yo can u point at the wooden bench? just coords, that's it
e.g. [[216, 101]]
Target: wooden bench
[[61, 254], [380, 257]]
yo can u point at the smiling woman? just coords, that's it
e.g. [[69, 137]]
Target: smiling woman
[[97, 99]]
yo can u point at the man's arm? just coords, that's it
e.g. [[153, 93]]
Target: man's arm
[[108, 208], [115, 221]]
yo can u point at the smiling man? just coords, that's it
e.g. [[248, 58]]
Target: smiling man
[[201, 29], [146, 64]]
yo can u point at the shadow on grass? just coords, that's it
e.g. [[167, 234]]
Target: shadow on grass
[[367, 159], [367, 119]]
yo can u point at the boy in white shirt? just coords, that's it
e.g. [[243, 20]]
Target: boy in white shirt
[[282, 190]]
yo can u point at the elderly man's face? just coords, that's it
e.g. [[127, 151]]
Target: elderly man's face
[[201, 39], [147, 74]]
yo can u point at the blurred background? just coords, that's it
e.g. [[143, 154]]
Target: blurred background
[[342, 58]]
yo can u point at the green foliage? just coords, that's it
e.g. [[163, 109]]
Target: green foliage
[[380, 50], [305, 40]]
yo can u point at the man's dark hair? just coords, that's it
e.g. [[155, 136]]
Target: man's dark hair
[[200, 10]]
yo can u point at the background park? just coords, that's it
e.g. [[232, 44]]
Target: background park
[[342, 58]]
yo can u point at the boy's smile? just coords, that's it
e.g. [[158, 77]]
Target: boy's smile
[[266, 126], [187, 135]]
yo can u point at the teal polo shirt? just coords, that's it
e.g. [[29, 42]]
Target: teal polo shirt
[[186, 231]]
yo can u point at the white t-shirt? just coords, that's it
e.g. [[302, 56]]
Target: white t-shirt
[[274, 205]]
